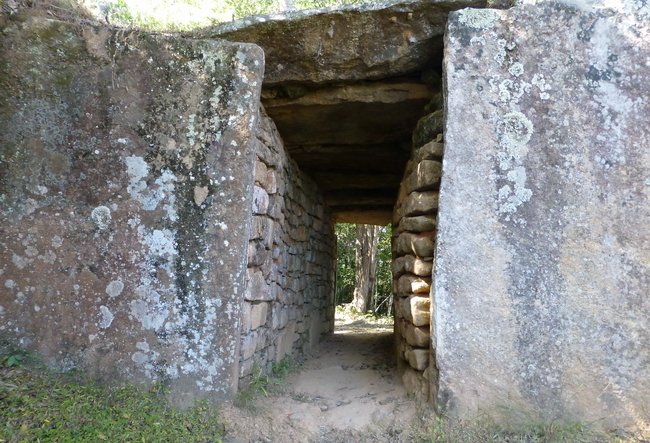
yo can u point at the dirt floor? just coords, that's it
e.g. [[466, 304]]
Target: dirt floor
[[346, 391]]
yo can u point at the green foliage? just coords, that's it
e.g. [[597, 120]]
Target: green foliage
[[120, 12], [311, 4], [384, 276], [345, 266], [262, 384], [184, 15], [523, 429], [13, 358], [164, 15], [38, 406], [283, 368], [246, 8]]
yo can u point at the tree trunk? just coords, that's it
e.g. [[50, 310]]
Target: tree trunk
[[366, 265]]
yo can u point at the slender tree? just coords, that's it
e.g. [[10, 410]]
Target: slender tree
[[365, 265]]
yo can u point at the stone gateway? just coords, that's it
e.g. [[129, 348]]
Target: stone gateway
[[167, 202]]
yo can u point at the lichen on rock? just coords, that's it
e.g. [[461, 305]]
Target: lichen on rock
[[99, 166]]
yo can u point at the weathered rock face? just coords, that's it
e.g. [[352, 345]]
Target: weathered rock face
[[346, 88], [543, 259], [289, 301], [125, 180]]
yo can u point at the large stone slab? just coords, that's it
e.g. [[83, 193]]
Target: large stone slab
[[543, 255], [126, 186], [370, 41]]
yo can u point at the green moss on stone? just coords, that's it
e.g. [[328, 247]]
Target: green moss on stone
[[427, 128]]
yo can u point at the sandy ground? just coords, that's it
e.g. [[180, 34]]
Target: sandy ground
[[347, 391]]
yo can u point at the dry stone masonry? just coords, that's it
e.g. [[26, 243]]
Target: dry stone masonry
[[414, 233], [543, 258], [289, 305]]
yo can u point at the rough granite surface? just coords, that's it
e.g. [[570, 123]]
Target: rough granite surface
[[543, 258], [126, 165]]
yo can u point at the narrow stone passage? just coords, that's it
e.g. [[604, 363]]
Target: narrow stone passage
[[347, 391]]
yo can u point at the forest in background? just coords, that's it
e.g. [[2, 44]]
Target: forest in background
[[363, 272], [180, 15]]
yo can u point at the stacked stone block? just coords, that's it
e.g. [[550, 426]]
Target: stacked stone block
[[288, 305], [414, 232]]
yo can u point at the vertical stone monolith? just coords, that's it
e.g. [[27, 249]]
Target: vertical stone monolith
[[543, 257], [126, 192]]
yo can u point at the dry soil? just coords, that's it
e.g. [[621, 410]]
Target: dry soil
[[346, 391]]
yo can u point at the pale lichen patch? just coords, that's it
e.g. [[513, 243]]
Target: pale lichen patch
[[106, 317], [114, 288], [19, 261], [101, 215], [515, 131], [516, 69], [478, 18], [148, 310], [161, 242], [164, 190], [539, 81], [137, 170], [57, 242]]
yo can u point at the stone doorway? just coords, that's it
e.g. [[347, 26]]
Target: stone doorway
[[364, 123]]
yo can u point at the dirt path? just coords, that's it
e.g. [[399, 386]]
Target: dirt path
[[347, 391]]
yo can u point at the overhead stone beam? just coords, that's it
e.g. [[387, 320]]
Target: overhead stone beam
[[375, 216], [360, 198], [379, 40], [330, 181], [347, 123], [376, 158], [367, 92]]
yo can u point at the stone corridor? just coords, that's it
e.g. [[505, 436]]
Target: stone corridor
[[167, 202]]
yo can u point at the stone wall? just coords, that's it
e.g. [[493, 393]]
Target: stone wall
[[125, 201], [543, 258], [414, 232], [289, 301]]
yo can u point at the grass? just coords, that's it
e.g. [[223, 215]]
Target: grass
[[36, 405], [262, 384], [347, 312], [524, 430]]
